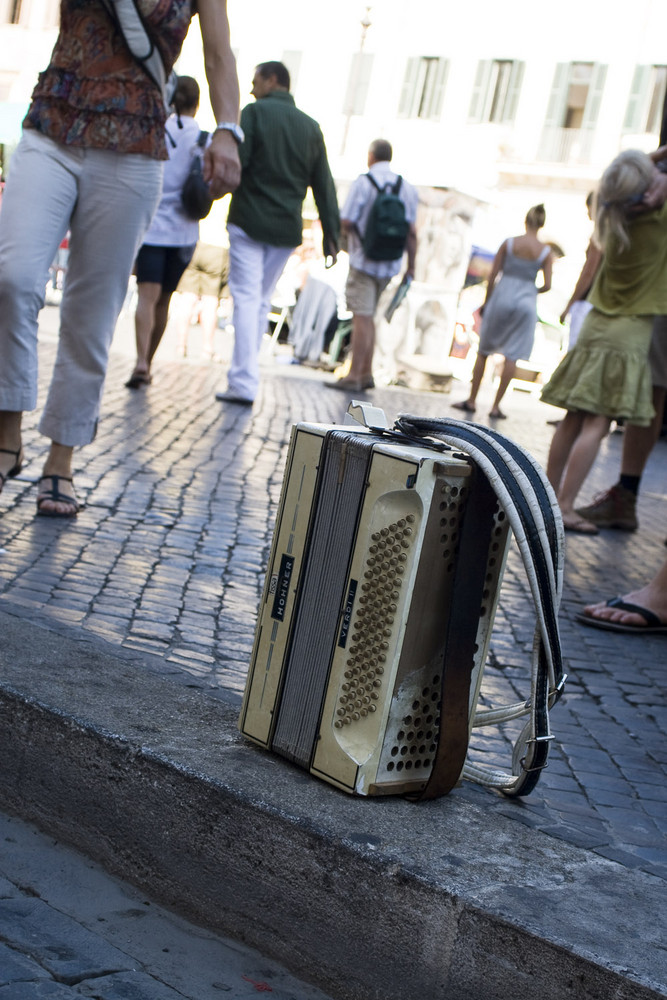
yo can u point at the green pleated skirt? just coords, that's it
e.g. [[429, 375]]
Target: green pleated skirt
[[607, 371]]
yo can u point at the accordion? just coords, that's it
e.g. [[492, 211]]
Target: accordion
[[377, 609]]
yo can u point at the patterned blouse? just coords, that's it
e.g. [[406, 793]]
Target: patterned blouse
[[93, 93]]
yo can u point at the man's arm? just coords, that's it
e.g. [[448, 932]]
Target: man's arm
[[222, 167], [411, 249], [324, 192]]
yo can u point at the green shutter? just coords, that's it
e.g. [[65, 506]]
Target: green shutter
[[555, 115], [407, 100], [480, 90], [438, 92], [516, 79], [594, 99], [637, 100], [358, 83]]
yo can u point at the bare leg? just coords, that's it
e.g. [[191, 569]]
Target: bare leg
[[468, 405], [561, 445], [144, 320], [477, 376], [10, 441], [182, 311], [208, 321], [363, 346], [58, 463], [653, 597], [582, 455], [638, 442], [159, 324], [506, 377]]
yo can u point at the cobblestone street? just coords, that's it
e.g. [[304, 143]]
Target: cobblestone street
[[168, 557]]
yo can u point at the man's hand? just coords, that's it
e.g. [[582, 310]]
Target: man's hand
[[330, 252], [222, 166]]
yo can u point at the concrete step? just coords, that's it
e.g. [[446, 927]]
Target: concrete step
[[365, 899]]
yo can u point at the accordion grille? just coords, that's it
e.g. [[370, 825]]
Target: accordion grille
[[375, 616]]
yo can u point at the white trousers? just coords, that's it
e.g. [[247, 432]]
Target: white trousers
[[106, 200], [254, 269]]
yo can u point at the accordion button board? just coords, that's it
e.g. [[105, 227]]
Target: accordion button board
[[356, 624]]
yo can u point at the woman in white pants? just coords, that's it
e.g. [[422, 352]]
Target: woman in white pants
[[90, 161]]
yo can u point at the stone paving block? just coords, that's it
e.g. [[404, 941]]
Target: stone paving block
[[59, 944], [128, 986], [209, 479], [16, 968], [47, 990]]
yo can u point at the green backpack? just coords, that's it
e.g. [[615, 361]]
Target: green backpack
[[387, 227]]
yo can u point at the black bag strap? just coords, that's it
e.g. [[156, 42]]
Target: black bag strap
[[394, 187], [521, 488]]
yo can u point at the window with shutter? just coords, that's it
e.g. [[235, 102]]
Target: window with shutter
[[423, 88]]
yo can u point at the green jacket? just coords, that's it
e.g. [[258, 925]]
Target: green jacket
[[282, 156]]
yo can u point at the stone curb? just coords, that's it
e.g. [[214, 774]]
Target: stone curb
[[366, 899]]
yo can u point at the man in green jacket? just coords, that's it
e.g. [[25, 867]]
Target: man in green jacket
[[282, 155]]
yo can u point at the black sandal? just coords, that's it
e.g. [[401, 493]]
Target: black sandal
[[137, 379], [55, 495], [16, 468]]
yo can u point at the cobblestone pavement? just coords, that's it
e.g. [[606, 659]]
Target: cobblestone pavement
[[169, 553], [69, 930]]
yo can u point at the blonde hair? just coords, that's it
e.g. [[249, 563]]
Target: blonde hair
[[536, 217], [622, 186]]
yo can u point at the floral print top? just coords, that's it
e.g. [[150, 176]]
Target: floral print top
[[93, 93]]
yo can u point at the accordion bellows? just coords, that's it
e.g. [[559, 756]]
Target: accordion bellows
[[363, 614]]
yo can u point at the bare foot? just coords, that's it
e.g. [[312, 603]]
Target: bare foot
[[649, 598], [579, 525], [56, 497]]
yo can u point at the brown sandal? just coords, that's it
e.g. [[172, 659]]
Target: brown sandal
[[580, 526]]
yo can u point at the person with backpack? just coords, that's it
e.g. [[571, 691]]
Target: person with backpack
[[378, 219]]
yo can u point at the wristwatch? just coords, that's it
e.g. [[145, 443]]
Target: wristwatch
[[232, 127]]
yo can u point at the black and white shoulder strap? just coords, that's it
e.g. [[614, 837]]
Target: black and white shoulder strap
[[534, 516]]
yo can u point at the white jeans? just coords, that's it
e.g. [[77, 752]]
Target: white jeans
[[254, 269], [107, 201]]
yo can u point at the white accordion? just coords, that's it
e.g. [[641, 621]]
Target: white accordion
[[377, 610]]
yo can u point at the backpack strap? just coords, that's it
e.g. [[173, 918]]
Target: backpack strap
[[520, 486]]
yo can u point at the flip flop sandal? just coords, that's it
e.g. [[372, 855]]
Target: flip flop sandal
[[463, 405], [54, 494], [653, 623], [580, 526], [136, 380]]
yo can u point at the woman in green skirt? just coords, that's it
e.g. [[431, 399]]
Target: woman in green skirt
[[606, 376]]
